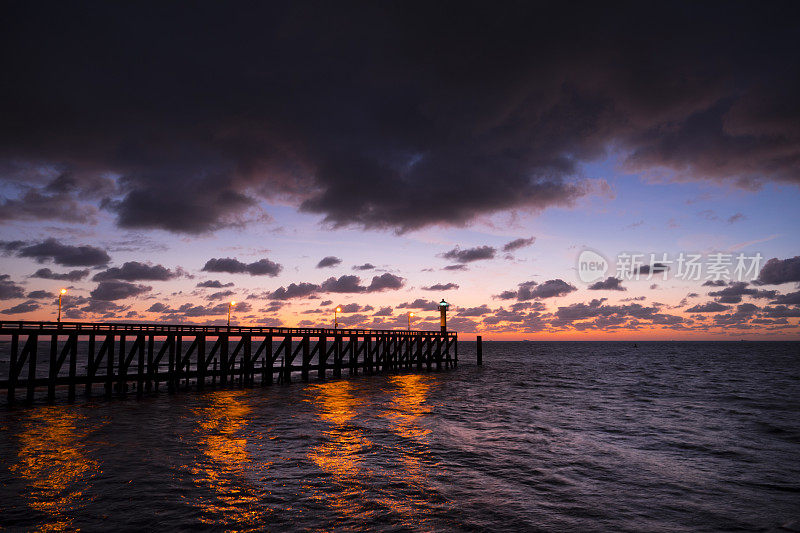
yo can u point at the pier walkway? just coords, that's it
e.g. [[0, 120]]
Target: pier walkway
[[136, 358]]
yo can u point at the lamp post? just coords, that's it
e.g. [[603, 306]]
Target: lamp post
[[230, 306], [335, 319], [443, 310], [61, 293], [410, 314]]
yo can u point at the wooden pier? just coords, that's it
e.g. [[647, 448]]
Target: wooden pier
[[126, 358]]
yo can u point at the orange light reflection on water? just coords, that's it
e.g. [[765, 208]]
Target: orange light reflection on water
[[340, 455], [50, 459], [368, 481], [225, 462]]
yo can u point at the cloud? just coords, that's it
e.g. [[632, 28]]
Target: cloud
[[294, 290], [421, 304], [342, 284], [530, 290], [66, 255], [221, 295], [40, 295], [793, 298], [9, 289], [781, 311], [708, 307], [117, 290], [385, 282], [777, 271], [365, 266], [383, 311], [715, 283], [610, 284], [475, 311], [329, 261], [470, 254], [441, 287], [189, 310], [214, 284], [391, 127], [456, 267], [72, 275], [24, 307], [135, 271], [732, 294], [351, 308], [516, 244], [262, 267], [736, 218]]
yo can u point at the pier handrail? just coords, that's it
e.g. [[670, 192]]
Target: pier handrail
[[95, 327]]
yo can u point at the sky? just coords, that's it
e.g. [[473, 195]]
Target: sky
[[554, 172]]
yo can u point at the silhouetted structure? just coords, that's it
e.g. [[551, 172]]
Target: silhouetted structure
[[184, 356]]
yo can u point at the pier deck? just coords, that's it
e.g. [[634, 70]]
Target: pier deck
[[124, 358]]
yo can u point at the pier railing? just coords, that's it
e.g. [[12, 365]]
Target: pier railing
[[141, 357]]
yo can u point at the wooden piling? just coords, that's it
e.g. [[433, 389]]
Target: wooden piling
[[479, 348]]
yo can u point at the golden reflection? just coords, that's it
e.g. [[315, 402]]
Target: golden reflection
[[225, 462], [51, 461], [409, 405], [346, 453], [340, 455]]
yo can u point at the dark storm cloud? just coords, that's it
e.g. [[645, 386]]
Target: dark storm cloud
[[470, 254], [63, 254], [9, 289], [516, 244], [778, 271], [708, 307], [72, 275], [530, 290], [117, 290], [214, 284], [609, 284], [441, 287], [733, 293], [136, 271], [329, 261], [262, 267], [33, 205], [380, 117]]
